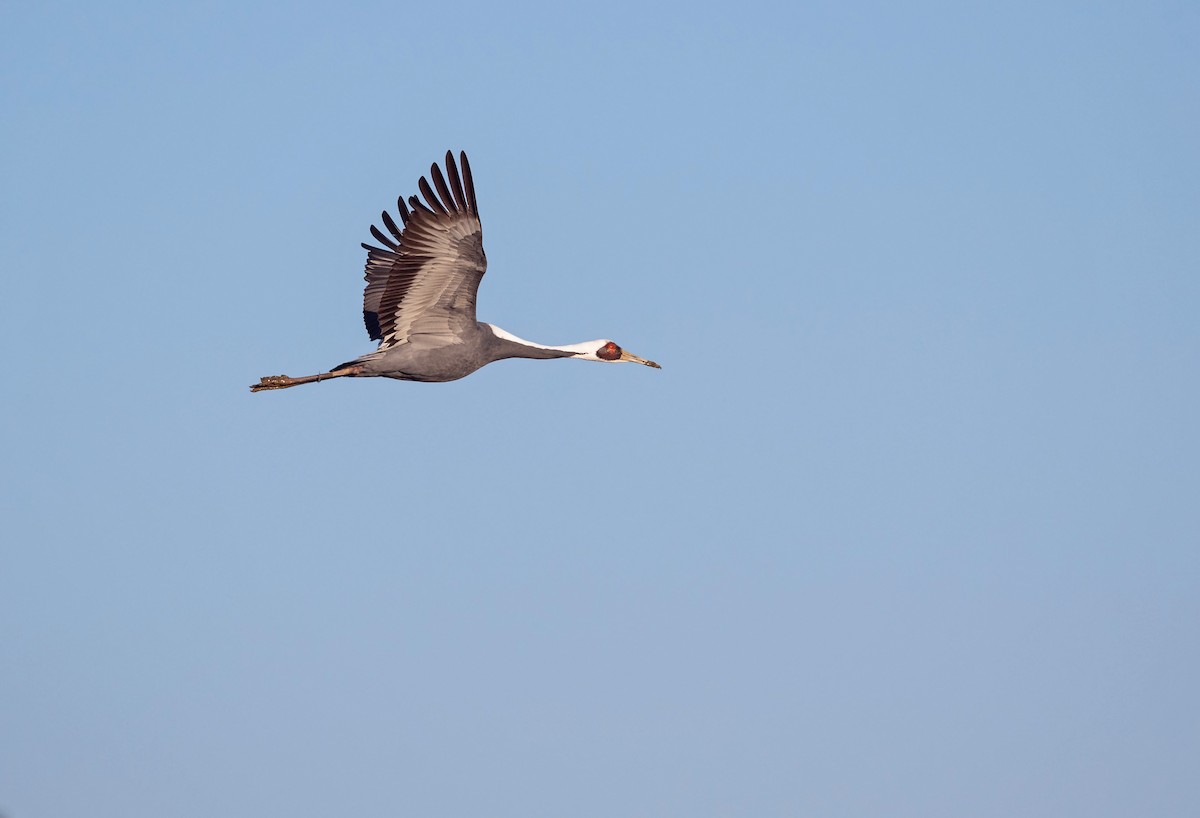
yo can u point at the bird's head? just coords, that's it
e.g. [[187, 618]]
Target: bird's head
[[608, 352]]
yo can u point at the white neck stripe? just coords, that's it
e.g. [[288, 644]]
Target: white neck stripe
[[575, 349]]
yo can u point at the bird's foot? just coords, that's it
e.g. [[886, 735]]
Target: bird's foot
[[272, 382]]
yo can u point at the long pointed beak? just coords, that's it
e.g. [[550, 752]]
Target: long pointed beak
[[629, 356]]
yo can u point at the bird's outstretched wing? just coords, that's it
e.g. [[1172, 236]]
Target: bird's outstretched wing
[[423, 281]]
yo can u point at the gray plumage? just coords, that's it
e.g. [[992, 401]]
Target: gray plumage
[[419, 302], [430, 358]]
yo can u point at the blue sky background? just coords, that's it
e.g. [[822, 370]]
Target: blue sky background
[[908, 524]]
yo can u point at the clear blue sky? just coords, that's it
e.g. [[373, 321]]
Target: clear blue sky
[[908, 524]]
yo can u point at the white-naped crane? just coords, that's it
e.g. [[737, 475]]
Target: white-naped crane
[[420, 297]]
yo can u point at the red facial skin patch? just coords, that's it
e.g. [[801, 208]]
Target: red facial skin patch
[[609, 352]]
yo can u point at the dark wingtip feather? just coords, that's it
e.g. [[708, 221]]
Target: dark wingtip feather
[[469, 182], [439, 182], [460, 199], [434, 202], [382, 239], [403, 208], [416, 204], [390, 224]]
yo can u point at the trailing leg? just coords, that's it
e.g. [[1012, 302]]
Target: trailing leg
[[285, 382]]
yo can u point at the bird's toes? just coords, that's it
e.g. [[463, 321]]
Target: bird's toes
[[270, 382]]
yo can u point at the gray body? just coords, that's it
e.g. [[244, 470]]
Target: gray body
[[435, 358]]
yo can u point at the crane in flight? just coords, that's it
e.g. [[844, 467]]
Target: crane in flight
[[419, 301]]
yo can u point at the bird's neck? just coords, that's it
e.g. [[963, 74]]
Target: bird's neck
[[510, 346]]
